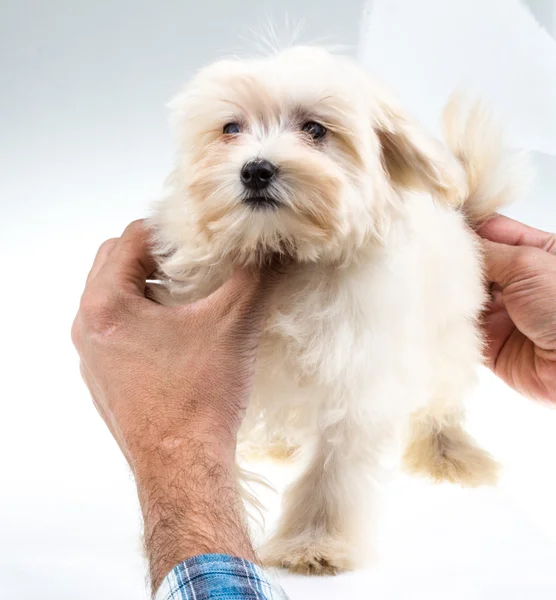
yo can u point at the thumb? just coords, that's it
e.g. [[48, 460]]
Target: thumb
[[130, 261], [504, 230], [507, 264], [248, 289]]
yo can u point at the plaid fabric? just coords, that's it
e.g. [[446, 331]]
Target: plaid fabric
[[218, 576]]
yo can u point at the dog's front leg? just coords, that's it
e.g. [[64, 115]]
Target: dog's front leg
[[327, 512]]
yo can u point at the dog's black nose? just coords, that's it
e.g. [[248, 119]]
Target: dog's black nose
[[257, 174]]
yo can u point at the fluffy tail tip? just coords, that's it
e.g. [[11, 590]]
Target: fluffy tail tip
[[496, 175]]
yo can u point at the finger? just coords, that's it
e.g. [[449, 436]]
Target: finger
[[243, 286], [130, 262], [497, 326], [504, 230], [505, 264], [247, 289], [102, 255]]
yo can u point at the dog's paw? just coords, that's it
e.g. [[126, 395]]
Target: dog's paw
[[282, 451], [473, 468], [452, 455], [278, 451], [322, 555]]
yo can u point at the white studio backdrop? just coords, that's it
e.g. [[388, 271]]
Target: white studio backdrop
[[84, 148]]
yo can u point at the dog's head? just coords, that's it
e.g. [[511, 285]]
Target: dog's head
[[298, 153]]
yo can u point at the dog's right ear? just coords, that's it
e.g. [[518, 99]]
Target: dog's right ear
[[411, 158]]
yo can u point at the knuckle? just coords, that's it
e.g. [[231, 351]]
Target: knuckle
[[102, 315], [107, 246], [76, 332], [135, 227], [95, 308]]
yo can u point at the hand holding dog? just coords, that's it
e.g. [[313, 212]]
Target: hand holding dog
[[171, 385], [520, 323]]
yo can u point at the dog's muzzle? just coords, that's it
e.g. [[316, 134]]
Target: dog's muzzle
[[256, 176]]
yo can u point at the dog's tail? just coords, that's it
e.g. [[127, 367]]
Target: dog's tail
[[495, 175]]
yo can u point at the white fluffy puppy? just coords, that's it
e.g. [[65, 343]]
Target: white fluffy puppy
[[372, 336]]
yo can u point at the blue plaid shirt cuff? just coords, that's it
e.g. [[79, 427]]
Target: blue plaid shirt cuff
[[218, 576]]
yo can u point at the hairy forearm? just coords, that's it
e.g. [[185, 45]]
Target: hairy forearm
[[191, 506]]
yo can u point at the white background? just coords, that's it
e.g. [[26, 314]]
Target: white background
[[84, 147]]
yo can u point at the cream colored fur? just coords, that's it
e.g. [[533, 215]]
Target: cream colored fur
[[372, 338]]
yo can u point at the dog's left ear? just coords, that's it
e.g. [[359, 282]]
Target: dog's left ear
[[412, 159]]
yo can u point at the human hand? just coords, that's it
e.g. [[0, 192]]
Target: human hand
[[171, 385], [520, 322]]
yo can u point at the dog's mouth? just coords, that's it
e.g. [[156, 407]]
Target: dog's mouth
[[262, 202]]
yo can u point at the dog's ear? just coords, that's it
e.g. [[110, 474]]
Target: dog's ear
[[412, 159]]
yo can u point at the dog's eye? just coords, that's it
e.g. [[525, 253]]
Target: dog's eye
[[231, 128], [314, 129]]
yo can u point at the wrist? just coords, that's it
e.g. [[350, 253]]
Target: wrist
[[190, 502], [174, 447]]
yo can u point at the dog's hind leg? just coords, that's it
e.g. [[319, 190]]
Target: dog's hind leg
[[441, 449]]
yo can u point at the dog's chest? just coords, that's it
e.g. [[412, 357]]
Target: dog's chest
[[314, 327]]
